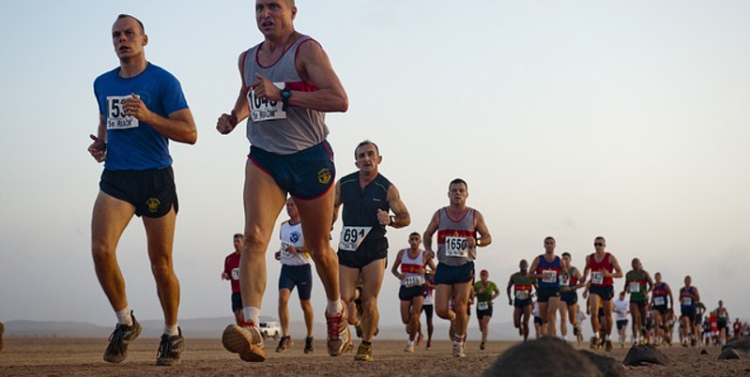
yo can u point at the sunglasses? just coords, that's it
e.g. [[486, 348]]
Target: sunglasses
[[598, 244]]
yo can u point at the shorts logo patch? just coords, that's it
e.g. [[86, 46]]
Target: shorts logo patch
[[324, 176], [153, 205]]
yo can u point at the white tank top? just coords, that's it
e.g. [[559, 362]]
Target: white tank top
[[292, 235]]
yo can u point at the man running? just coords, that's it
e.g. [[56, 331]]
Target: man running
[[689, 297], [621, 309], [485, 292], [295, 272], [638, 283], [428, 305], [412, 261], [521, 283], [601, 264], [722, 319], [662, 302], [461, 229], [570, 282], [141, 108], [288, 85], [546, 269], [232, 273], [367, 197]]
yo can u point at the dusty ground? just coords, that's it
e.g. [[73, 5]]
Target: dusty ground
[[206, 357]]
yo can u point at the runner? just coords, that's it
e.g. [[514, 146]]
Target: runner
[[662, 302], [689, 297], [295, 272], [521, 283], [367, 197], [537, 319], [570, 282], [706, 331], [427, 305], [460, 230], [580, 317], [737, 328], [638, 283], [232, 273], [141, 108], [722, 316], [412, 261], [485, 292], [621, 309], [289, 154], [601, 264], [546, 269]]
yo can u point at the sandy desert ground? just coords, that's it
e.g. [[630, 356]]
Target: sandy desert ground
[[206, 357]]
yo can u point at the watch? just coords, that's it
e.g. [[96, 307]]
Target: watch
[[286, 94], [393, 220], [479, 242]]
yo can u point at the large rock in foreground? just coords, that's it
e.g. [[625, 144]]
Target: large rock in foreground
[[645, 354], [541, 358]]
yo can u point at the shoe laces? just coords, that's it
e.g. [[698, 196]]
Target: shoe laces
[[165, 346], [118, 335], [334, 326]]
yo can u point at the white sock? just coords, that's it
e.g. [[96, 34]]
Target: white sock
[[124, 317], [334, 307], [606, 337], [252, 314], [171, 330]]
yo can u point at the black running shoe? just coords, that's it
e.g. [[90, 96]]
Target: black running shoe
[[117, 350], [170, 349], [309, 348]]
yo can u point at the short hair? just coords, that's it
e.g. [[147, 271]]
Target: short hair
[[566, 254], [550, 238], [457, 180], [239, 235], [415, 234], [363, 143], [600, 238], [123, 15]]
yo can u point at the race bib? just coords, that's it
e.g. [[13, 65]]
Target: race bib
[[564, 280], [116, 118], [235, 274], [263, 109], [456, 247], [522, 295], [659, 301], [352, 237], [597, 277], [686, 301], [413, 281], [635, 287], [549, 276], [284, 252], [483, 305]]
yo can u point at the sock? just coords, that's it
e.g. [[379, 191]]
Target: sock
[[596, 335], [124, 317], [171, 330], [410, 343], [606, 338], [252, 314], [334, 307], [459, 338]]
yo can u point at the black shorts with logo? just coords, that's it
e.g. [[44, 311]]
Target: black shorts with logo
[[605, 292], [152, 192], [307, 174]]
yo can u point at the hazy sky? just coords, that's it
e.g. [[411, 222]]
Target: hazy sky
[[567, 118]]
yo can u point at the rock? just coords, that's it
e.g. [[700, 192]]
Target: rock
[[540, 358], [741, 344], [607, 365], [645, 353], [729, 354], [704, 352]]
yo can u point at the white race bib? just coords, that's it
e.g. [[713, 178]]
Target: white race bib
[[686, 301], [262, 109], [413, 281], [352, 237], [235, 274], [549, 276], [635, 287], [522, 295], [456, 247], [483, 305], [564, 280], [116, 118], [597, 277], [284, 252], [659, 301]]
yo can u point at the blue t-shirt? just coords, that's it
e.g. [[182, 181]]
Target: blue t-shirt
[[131, 144]]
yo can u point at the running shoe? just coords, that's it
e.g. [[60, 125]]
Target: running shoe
[[429, 344], [170, 349], [481, 346], [594, 342], [364, 352], [458, 349], [608, 345], [245, 340], [339, 337], [409, 347], [309, 348], [285, 343], [117, 350]]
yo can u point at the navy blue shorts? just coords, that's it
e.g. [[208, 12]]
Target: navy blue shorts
[[407, 294], [367, 253], [544, 294], [450, 275], [621, 323], [152, 192], [606, 293], [688, 312], [521, 303], [299, 276], [307, 174], [236, 301], [427, 309], [484, 313]]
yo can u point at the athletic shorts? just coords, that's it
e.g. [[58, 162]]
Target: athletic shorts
[[538, 320], [605, 292], [409, 293], [621, 323], [307, 174], [662, 309], [544, 294], [445, 274], [570, 298], [299, 276], [152, 192], [721, 324], [427, 309], [236, 301], [521, 303], [641, 304], [361, 257], [484, 313], [698, 318], [688, 312]]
